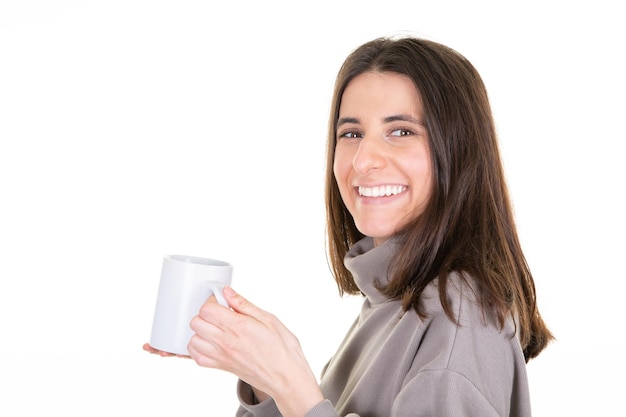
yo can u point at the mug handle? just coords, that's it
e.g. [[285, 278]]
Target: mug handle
[[216, 289]]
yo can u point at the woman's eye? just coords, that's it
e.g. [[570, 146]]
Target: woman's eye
[[350, 135], [401, 132]]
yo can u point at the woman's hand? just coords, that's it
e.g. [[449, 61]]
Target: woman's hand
[[255, 346], [150, 349]]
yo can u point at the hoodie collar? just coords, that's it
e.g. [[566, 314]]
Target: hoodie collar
[[369, 266]]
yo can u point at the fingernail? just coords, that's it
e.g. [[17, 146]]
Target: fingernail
[[229, 292]]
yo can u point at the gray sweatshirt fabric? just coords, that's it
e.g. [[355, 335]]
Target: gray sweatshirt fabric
[[393, 364]]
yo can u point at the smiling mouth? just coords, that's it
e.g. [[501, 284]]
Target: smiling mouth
[[381, 191]]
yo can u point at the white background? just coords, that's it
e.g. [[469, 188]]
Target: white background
[[133, 129]]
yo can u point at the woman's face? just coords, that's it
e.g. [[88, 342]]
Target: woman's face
[[382, 160]]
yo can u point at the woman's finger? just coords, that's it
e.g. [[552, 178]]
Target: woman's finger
[[154, 351], [241, 305]]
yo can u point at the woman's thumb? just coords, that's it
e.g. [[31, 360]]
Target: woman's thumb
[[238, 302]]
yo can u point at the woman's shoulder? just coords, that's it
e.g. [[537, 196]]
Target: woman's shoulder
[[475, 346], [466, 308]]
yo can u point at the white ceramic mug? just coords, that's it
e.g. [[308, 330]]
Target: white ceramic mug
[[186, 283]]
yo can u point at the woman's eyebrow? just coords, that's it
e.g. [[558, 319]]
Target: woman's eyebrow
[[388, 119], [344, 120], [402, 118]]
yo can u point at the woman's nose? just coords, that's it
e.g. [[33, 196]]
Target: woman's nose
[[369, 156]]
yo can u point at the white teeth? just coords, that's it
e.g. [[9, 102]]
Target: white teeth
[[381, 191]]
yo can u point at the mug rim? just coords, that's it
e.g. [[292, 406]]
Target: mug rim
[[197, 260]]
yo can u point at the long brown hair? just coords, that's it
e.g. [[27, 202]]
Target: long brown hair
[[468, 225]]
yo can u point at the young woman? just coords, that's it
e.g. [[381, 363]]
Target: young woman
[[420, 224]]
